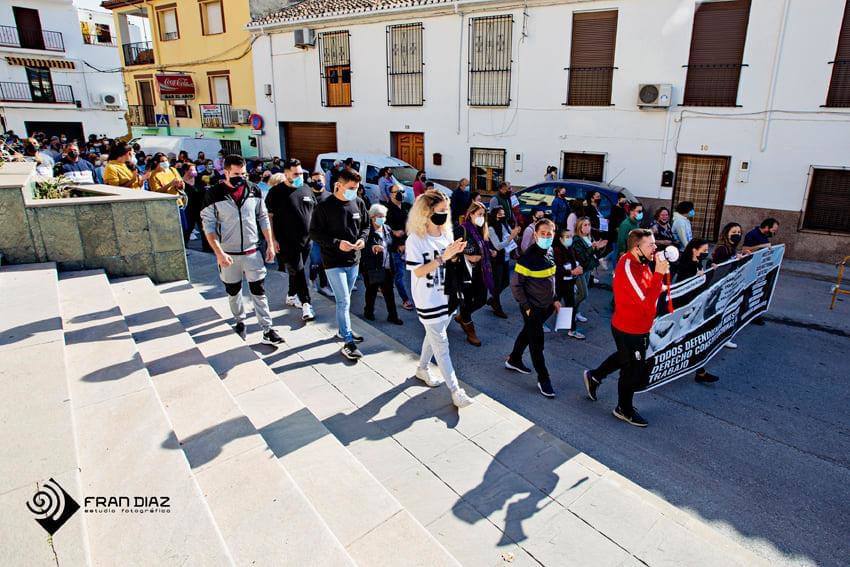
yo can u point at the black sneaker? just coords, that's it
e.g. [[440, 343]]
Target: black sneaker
[[635, 419], [351, 352], [545, 387], [518, 366], [357, 338], [239, 328], [591, 384], [271, 337], [369, 316], [706, 377], [395, 321]]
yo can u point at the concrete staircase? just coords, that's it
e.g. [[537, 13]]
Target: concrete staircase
[[104, 390]]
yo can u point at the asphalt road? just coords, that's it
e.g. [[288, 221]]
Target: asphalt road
[[763, 455]]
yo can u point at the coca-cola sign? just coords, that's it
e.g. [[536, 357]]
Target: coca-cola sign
[[175, 87]]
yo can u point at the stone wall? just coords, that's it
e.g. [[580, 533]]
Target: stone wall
[[123, 232]]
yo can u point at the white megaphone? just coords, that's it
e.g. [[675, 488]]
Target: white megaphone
[[671, 254]]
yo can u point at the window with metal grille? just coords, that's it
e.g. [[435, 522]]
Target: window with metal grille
[[231, 147], [490, 61], [839, 84], [591, 69], [486, 169], [828, 205], [404, 65], [588, 167], [717, 51], [335, 61]]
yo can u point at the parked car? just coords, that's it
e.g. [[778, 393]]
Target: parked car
[[544, 194], [175, 144], [370, 165]]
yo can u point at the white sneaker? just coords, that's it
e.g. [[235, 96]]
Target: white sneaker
[[292, 301], [603, 263], [430, 380], [460, 399], [730, 344], [307, 313], [581, 318]]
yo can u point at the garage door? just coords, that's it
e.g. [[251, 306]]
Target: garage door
[[305, 140]]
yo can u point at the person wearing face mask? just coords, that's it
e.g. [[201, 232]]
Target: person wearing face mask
[[233, 216], [502, 237], [80, 170], [376, 266], [631, 222], [560, 208], [505, 199], [619, 213], [397, 213], [460, 201], [682, 230], [694, 261], [263, 183], [340, 225], [477, 255], [591, 211], [317, 271], [636, 292], [568, 271], [727, 246], [291, 204], [528, 234], [588, 253], [759, 237], [163, 177], [661, 228], [533, 287], [195, 194], [429, 247], [385, 184], [117, 173], [419, 184]]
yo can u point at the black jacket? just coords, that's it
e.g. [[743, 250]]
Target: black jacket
[[563, 278], [533, 282], [291, 210], [335, 220], [397, 220], [370, 260]]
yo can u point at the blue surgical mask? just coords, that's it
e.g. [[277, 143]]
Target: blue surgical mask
[[639, 216], [691, 213], [567, 242], [380, 221], [350, 194], [545, 243], [298, 181]]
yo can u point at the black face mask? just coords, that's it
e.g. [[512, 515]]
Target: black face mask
[[770, 235], [398, 196], [643, 259], [72, 155], [735, 239], [237, 181], [702, 257], [439, 219]]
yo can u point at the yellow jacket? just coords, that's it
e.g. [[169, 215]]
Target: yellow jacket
[[161, 177], [118, 174]]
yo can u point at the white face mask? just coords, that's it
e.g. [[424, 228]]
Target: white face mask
[[479, 221]]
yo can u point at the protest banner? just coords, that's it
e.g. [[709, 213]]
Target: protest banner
[[708, 310]]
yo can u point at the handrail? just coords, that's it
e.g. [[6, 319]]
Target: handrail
[[836, 290]]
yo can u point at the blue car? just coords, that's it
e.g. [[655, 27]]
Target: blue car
[[544, 193]]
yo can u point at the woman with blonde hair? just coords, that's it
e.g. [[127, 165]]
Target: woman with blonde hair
[[478, 254], [587, 252], [429, 246]]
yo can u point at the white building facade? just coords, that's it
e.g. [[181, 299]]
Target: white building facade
[[59, 70], [757, 123]]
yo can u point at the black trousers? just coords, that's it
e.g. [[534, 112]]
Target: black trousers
[[295, 259], [531, 338], [630, 360], [386, 286], [474, 297], [568, 299], [193, 215], [501, 280]]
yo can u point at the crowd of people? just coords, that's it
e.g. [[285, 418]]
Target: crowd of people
[[444, 257]]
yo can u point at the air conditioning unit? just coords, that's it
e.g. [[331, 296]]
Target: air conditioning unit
[[240, 115], [655, 95], [305, 37], [110, 99]]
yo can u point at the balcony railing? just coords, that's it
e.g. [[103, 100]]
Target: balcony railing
[[216, 116], [21, 92], [31, 38], [104, 40], [140, 53], [714, 84], [142, 115]]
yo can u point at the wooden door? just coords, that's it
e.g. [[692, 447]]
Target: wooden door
[[702, 180], [338, 85], [29, 27], [409, 147], [306, 140]]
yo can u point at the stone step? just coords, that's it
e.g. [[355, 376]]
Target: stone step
[[35, 417], [126, 445], [262, 514], [367, 519]]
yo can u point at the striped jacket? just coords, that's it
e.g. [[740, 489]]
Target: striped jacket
[[533, 282]]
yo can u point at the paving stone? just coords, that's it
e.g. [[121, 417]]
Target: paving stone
[[466, 467], [383, 456], [427, 437], [96, 230], [268, 403], [669, 543], [473, 420], [325, 401], [403, 535], [422, 493]]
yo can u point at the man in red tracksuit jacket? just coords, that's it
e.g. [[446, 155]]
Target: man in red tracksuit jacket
[[636, 291]]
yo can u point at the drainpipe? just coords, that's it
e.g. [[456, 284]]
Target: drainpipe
[[777, 58], [274, 94], [459, 67]]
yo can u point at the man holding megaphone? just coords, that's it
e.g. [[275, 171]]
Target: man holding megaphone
[[636, 290]]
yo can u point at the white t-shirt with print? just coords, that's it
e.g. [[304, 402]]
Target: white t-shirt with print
[[429, 295]]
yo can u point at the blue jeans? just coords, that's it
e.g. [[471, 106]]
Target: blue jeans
[[400, 272], [613, 256], [342, 280], [316, 269]]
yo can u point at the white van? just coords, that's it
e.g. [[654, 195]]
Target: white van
[[175, 144], [369, 166]]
